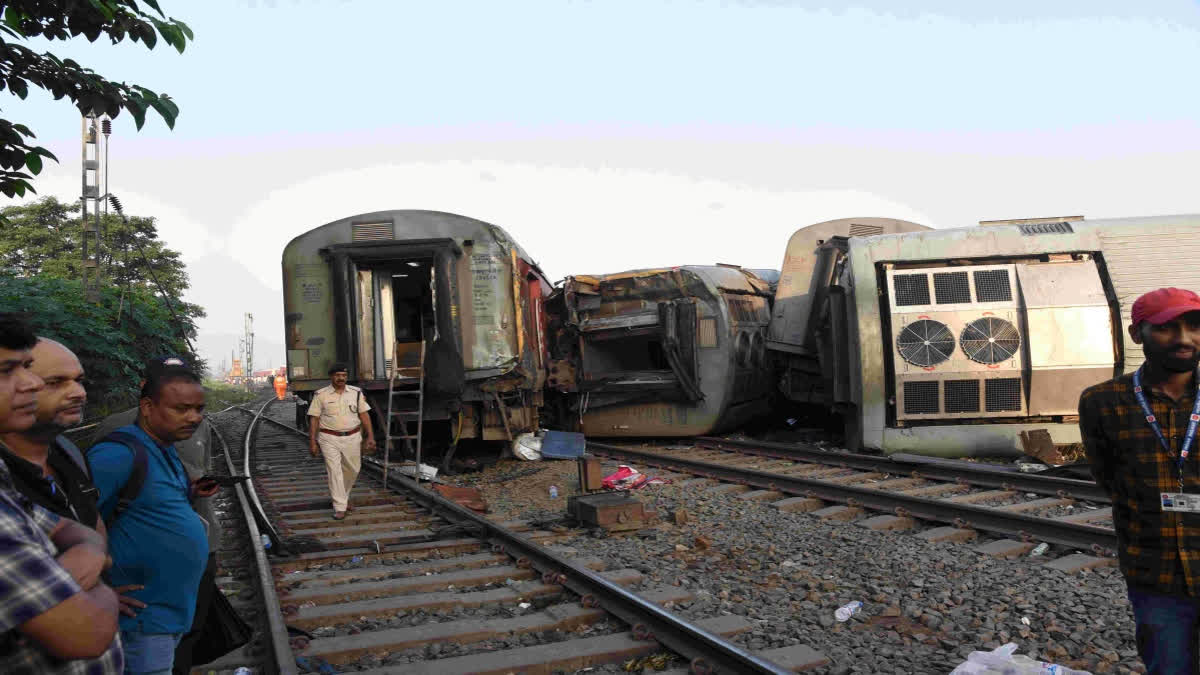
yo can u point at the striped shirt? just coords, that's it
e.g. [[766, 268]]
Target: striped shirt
[[1159, 551]]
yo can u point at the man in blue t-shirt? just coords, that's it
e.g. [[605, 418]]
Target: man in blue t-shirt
[[158, 541]]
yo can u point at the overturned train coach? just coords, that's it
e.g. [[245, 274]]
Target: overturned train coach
[[664, 352], [450, 301], [952, 342]]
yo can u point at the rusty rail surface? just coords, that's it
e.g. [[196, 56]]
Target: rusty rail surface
[[277, 631], [706, 650], [977, 475], [1075, 535]]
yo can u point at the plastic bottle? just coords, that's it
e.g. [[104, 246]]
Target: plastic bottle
[[266, 541], [844, 612], [554, 492], [1040, 549]]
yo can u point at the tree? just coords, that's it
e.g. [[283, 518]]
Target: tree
[[40, 273], [113, 350], [21, 67], [43, 238]]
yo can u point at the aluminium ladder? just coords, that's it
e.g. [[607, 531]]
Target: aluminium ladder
[[406, 415]]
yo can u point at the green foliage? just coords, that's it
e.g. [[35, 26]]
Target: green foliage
[[43, 238], [221, 395], [21, 67], [113, 338]]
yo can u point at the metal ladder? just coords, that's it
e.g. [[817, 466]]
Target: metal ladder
[[407, 415]]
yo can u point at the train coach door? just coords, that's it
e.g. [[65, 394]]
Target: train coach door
[[679, 327]]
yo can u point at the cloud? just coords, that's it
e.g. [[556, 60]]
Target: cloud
[[571, 220]]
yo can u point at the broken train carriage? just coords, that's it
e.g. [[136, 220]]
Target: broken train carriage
[[664, 352], [952, 342], [453, 304]]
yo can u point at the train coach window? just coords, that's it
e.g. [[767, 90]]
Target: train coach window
[[708, 332], [634, 353]]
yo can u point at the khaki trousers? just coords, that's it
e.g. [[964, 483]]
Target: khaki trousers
[[343, 460]]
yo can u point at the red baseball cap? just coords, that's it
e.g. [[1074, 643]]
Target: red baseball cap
[[1163, 305]]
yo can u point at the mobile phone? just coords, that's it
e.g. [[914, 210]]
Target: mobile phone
[[224, 481]]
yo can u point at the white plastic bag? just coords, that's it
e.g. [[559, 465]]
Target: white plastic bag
[[1004, 661], [527, 447]]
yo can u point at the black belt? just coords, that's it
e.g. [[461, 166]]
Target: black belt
[[331, 432]]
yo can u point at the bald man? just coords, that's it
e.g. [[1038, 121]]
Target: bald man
[[46, 467]]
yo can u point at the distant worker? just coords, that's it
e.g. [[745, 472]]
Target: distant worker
[[56, 615], [1140, 434], [156, 539], [337, 433], [280, 387]]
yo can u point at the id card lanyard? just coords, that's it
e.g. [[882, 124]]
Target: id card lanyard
[[1193, 422]]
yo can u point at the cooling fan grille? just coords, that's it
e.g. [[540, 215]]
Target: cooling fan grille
[[990, 340], [925, 342]]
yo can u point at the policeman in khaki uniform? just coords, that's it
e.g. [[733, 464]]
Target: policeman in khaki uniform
[[337, 433]]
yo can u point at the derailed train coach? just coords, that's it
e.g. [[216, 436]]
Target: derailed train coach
[[663, 352], [952, 342], [370, 289]]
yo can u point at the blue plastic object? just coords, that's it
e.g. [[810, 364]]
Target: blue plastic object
[[563, 445]]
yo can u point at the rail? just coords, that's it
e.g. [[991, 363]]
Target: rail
[[278, 639], [1075, 535], [707, 652], [977, 475]]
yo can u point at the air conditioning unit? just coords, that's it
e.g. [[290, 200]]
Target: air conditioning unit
[[956, 335]]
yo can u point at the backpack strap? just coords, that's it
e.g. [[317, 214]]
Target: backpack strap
[[71, 450], [137, 475]]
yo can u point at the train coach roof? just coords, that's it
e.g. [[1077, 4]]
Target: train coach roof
[[1049, 228], [724, 277], [409, 224]]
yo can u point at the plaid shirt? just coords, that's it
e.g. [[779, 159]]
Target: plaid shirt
[[31, 583], [1159, 551]]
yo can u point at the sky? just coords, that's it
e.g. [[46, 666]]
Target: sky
[[613, 135]]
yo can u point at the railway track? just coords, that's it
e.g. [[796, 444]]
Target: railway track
[[410, 582], [956, 501]]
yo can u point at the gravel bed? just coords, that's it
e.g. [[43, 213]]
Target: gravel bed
[[926, 606]]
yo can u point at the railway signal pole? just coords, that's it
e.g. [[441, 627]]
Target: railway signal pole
[[93, 205], [248, 349]]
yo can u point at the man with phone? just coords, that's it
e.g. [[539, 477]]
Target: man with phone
[[196, 455], [155, 537]]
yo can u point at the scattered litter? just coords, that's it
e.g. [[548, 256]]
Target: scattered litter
[[310, 603], [787, 563], [527, 447], [554, 492], [1025, 620], [1003, 660], [409, 469], [356, 559], [525, 605], [846, 611], [1039, 549], [625, 478], [510, 582]]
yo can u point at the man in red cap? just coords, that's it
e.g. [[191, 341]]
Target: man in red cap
[[1140, 434]]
